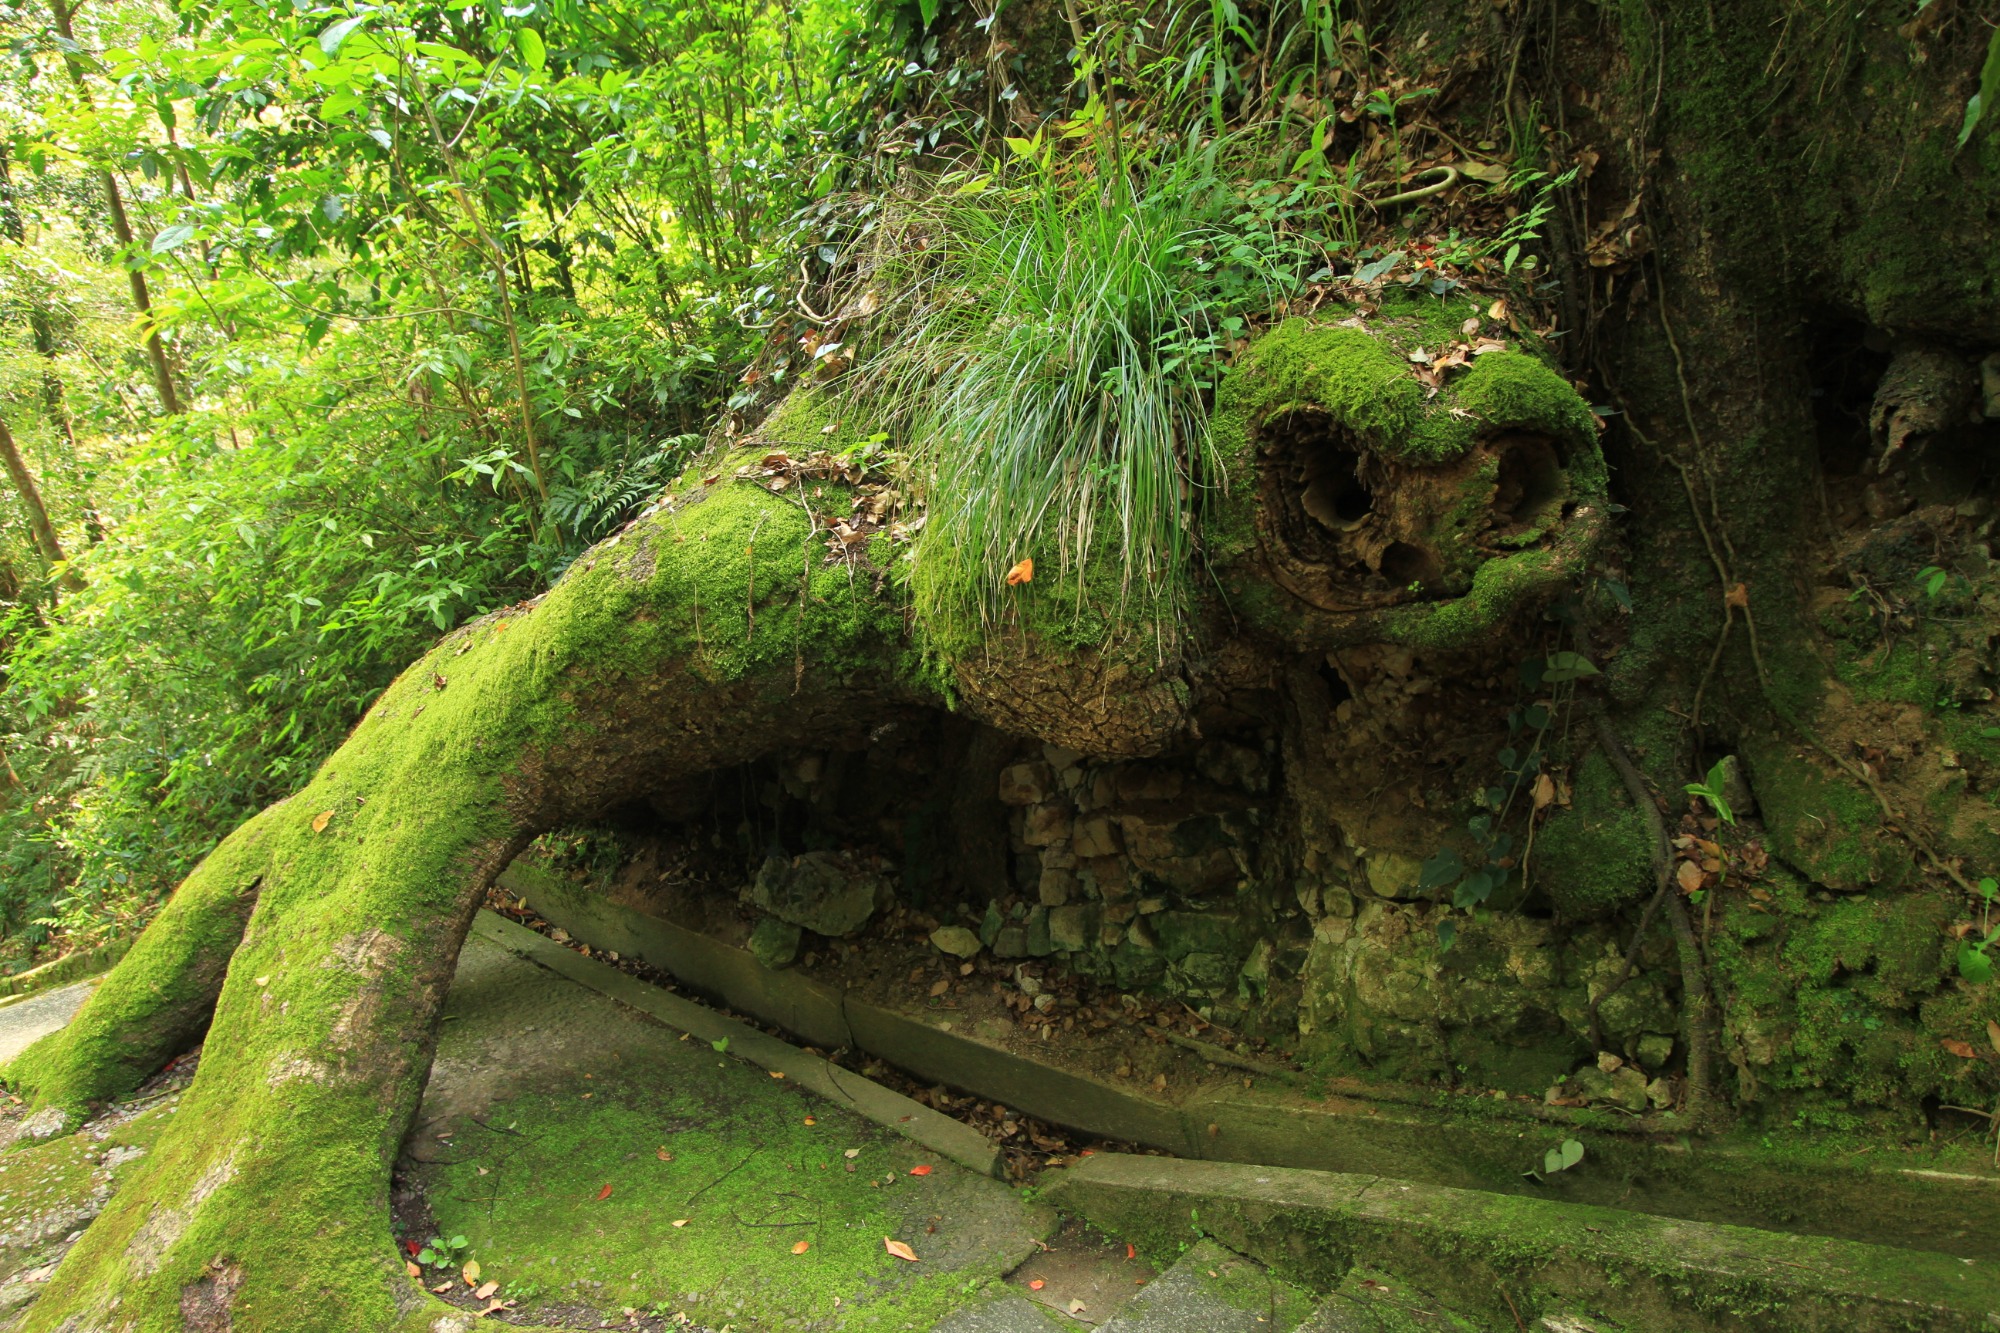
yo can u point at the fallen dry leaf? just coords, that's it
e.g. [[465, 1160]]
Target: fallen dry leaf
[[1131, 1251], [1545, 790], [1738, 596], [851, 1153], [1689, 876], [1024, 572], [777, 1073], [1037, 1285], [939, 988], [1962, 1049], [681, 1221], [441, 1288], [664, 1155], [900, 1250], [922, 1169], [470, 1272], [493, 1305], [1993, 1034], [1077, 1307], [486, 1289], [605, 1193], [801, 1247], [321, 820], [811, 1121], [412, 1269]]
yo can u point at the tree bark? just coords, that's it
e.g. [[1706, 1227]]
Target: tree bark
[[121, 227], [38, 513]]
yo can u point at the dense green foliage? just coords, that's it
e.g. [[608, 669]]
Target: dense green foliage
[[447, 292]]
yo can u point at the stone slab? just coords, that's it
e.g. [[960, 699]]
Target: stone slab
[[1210, 1290], [26, 1021], [950, 1138], [1477, 1249], [1008, 1314]]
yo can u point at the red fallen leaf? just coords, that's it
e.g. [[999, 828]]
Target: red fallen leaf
[[1021, 573], [920, 1170], [1130, 1251], [1037, 1285], [1962, 1049], [900, 1250], [605, 1193], [412, 1247]]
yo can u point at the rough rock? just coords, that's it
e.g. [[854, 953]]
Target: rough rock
[[1028, 783], [819, 891], [775, 943], [956, 941], [1096, 837]]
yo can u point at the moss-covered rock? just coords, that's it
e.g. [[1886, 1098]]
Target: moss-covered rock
[[1364, 503], [1595, 857]]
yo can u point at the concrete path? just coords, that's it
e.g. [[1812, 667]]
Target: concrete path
[[25, 1022], [596, 1161]]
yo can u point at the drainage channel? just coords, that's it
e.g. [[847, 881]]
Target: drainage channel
[[1920, 1205]]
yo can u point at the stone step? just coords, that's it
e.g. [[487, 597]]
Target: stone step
[[1210, 1290], [1496, 1262], [1008, 1314]]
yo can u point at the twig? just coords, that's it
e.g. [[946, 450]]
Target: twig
[[719, 1179]]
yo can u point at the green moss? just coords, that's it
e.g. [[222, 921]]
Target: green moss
[[1825, 826], [809, 420], [1594, 857], [748, 1179]]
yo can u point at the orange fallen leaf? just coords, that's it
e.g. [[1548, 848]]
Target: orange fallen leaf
[[441, 1288], [470, 1272], [412, 1269], [664, 1155], [1688, 876], [1738, 596], [1962, 1049], [777, 1073], [1037, 1285], [321, 820], [493, 1305], [811, 1121], [801, 1247], [922, 1169], [900, 1250], [1024, 572], [605, 1193], [486, 1289], [1131, 1251], [680, 1221]]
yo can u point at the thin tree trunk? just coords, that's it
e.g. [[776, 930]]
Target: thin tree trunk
[[38, 513], [121, 227]]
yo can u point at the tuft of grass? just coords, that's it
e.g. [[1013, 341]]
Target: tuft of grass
[[1050, 376]]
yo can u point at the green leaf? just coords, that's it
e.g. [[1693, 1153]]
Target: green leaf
[[1974, 965], [1989, 90], [1568, 666], [1552, 1161], [529, 43], [721, 1045], [339, 104], [171, 238], [427, 1257], [1572, 1153], [929, 9], [1447, 933], [458, 1242], [1441, 870], [335, 34]]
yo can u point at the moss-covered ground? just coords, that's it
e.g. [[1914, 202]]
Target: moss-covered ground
[[593, 1158]]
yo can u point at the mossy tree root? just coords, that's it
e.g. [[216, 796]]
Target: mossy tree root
[[1697, 1007], [268, 1196]]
